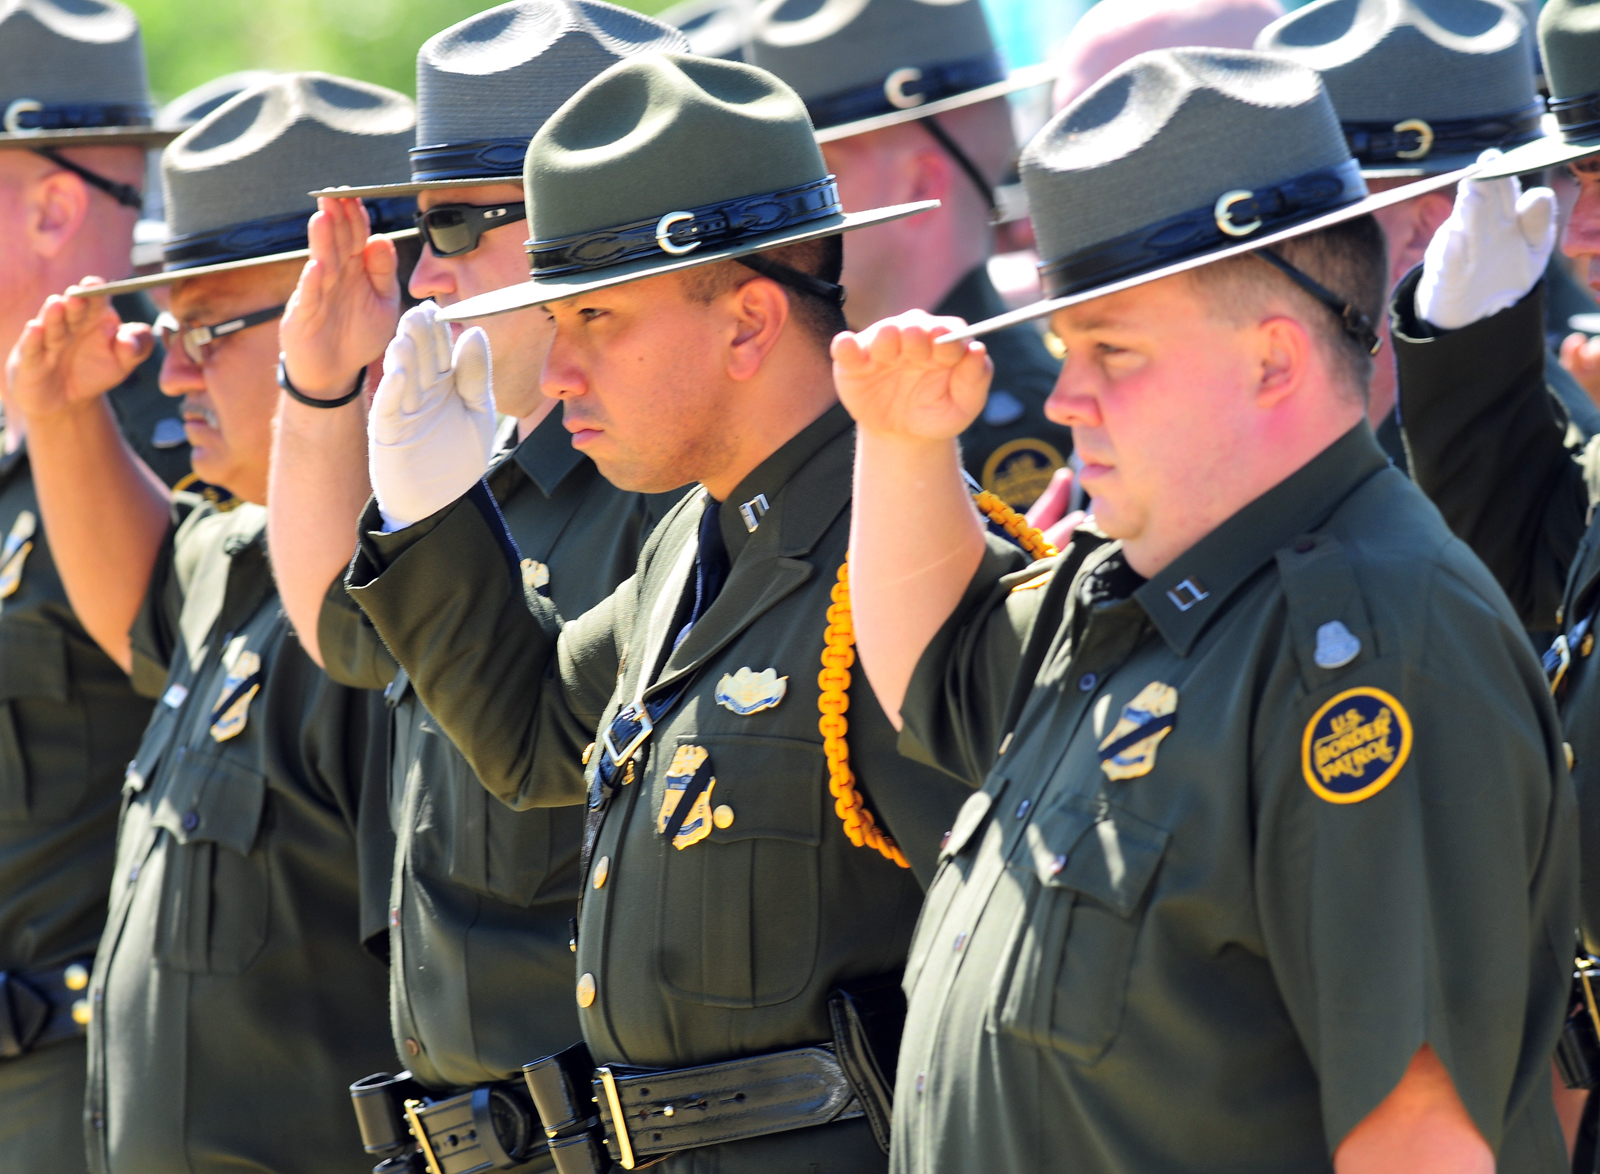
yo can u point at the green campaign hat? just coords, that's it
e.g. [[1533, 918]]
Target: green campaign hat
[[665, 162], [484, 86], [1569, 43], [1420, 86], [1183, 157], [863, 65], [72, 74], [235, 182]]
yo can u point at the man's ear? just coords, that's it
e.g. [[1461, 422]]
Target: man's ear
[[1284, 355], [932, 173], [760, 311], [56, 206]]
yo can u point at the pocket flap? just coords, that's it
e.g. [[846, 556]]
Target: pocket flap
[[208, 798], [969, 819], [33, 661], [1110, 857], [773, 788]]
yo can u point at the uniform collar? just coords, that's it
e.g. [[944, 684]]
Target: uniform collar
[[804, 521], [547, 455], [1182, 599]]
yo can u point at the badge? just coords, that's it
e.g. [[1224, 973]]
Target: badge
[[15, 552], [1129, 750], [239, 687], [747, 691], [1355, 745], [535, 574], [1018, 471], [686, 815], [1337, 646]]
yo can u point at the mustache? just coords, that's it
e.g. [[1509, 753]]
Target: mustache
[[190, 409]]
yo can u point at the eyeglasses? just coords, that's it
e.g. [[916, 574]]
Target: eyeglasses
[[197, 339], [454, 229]]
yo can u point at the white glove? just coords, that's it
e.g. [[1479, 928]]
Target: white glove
[[1489, 253], [431, 430]]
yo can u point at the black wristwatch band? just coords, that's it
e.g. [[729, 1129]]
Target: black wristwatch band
[[299, 396]]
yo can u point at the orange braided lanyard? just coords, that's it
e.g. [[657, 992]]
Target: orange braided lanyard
[[839, 654]]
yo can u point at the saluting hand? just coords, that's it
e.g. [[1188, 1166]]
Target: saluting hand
[[345, 308], [897, 377], [76, 350]]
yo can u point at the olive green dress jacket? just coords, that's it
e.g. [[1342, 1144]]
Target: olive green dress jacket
[[481, 897], [232, 1001], [729, 944], [69, 722], [1250, 834]]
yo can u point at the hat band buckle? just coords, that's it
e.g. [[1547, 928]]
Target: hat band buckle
[[1379, 143], [894, 88], [1224, 213], [664, 239], [14, 113], [72, 116], [1425, 138]]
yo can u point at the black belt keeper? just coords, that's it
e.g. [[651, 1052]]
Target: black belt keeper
[[559, 1085], [490, 1127]]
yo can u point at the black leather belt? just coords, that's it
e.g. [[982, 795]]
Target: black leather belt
[[40, 1007]]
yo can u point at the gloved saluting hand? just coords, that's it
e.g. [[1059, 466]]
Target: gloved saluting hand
[[1489, 253], [431, 430]]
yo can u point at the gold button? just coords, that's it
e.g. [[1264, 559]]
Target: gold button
[[80, 1012], [586, 990], [1587, 646], [1567, 746], [413, 1047], [722, 816], [588, 751], [76, 976], [602, 869]]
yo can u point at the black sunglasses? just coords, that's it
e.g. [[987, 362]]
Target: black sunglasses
[[453, 229]]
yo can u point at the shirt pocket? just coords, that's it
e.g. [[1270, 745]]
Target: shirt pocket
[[44, 736], [739, 913], [1069, 975], [215, 887]]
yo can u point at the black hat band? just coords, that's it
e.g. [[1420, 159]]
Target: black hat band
[[1234, 217], [1417, 139], [25, 115], [678, 233], [906, 89], [272, 235], [491, 159], [1579, 118]]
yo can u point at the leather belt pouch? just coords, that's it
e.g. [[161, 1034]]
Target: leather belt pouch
[[490, 1127], [36, 1007]]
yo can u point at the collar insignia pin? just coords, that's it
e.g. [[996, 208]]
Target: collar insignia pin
[[1337, 646], [753, 511], [535, 575], [747, 691], [1129, 750]]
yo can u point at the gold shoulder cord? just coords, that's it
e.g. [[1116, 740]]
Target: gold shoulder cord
[[838, 655]]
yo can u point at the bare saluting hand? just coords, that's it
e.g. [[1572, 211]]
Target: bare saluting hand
[[897, 378], [75, 351], [345, 309]]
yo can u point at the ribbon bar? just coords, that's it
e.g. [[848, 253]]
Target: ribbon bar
[[1234, 217], [271, 235], [489, 159], [677, 233]]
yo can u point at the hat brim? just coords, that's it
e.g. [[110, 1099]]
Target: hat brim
[[383, 190], [94, 136], [554, 289], [1433, 165], [1550, 151], [1021, 79], [1363, 207], [169, 276]]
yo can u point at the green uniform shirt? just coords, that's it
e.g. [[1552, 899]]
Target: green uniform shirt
[[69, 722], [728, 945], [481, 896], [1217, 947], [1010, 449], [233, 1004]]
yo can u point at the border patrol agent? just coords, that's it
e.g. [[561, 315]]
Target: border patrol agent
[[748, 884], [865, 69], [480, 897], [1272, 805], [69, 720], [232, 1000]]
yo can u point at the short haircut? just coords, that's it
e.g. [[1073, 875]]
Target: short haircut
[[817, 316], [1351, 259]]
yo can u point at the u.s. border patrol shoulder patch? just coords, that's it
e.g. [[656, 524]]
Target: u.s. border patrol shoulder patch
[[1355, 745]]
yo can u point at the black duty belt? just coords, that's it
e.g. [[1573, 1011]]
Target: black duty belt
[[41, 1007], [418, 1131]]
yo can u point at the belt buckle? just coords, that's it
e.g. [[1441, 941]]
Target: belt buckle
[[614, 1103], [619, 757], [1557, 660]]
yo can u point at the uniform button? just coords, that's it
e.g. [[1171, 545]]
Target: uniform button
[[394, 919], [1571, 758], [922, 1079], [961, 940], [586, 990], [602, 869], [722, 816], [1022, 808], [81, 1012], [1087, 682], [191, 820], [1304, 546], [76, 976], [413, 1048], [99, 1121], [945, 840], [133, 874], [99, 994]]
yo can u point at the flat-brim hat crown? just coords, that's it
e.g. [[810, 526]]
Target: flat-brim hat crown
[[236, 182], [1420, 86], [715, 28], [862, 65], [1180, 158], [72, 74], [1569, 45], [665, 162], [485, 86]]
